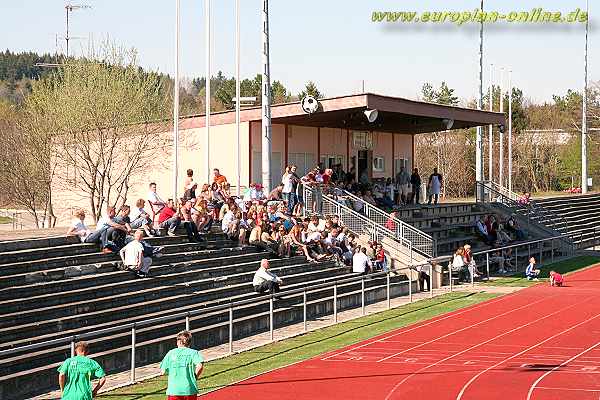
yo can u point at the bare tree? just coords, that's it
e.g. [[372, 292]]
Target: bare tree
[[26, 165], [106, 116]]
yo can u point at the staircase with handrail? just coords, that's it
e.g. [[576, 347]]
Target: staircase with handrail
[[421, 241], [404, 249], [491, 192]]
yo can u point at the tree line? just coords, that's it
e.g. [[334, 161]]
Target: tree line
[[544, 159]]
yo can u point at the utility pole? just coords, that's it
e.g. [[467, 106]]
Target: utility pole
[[237, 94], [207, 94], [491, 127], [501, 145], [266, 100], [479, 139], [584, 168], [510, 159], [176, 104]]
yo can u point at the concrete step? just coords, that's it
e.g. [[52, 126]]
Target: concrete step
[[78, 315], [152, 350], [57, 263], [109, 274]]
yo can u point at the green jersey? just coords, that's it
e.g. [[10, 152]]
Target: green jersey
[[180, 364], [79, 370]]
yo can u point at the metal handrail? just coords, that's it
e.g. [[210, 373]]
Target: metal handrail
[[356, 222], [534, 210], [421, 241], [187, 314], [496, 249]]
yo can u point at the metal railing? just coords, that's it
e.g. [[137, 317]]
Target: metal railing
[[402, 232], [562, 244], [491, 192], [16, 218], [184, 318], [316, 202]]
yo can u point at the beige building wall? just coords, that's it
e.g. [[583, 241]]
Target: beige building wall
[[223, 155], [303, 147]]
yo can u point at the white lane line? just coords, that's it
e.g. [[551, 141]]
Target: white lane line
[[463, 329], [477, 345], [572, 389], [538, 380], [464, 388], [430, 322]]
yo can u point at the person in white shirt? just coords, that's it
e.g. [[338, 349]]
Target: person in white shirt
[[156, 203], [78, 227], [140, 219], [133, 258], [360, 262], [264, 280]]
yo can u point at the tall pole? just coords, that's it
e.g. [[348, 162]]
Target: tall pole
[[491, 128], [510, 159], [176, 103], [584, 172], [266, 101], [237, 93], [479, 141], [501, 144], [207, 94], [67, 35]]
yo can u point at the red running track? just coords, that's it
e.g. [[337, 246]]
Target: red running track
[[540, 343]]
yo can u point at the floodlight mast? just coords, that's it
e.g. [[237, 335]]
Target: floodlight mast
[[584, 129], [479, 176], [69, 8]]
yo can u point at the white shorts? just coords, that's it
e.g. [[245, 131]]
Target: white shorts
[[404, 189]]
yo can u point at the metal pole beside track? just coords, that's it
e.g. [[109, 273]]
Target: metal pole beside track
[[132, 372]]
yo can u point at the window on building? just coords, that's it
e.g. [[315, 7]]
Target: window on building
[[304, 162], [378, 164], [402, 162], [329, 161]]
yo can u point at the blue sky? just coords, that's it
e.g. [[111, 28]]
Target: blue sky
[[332, 42]]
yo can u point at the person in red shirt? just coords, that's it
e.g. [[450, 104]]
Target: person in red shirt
[[380, 258], [390, 224], [169, 218], [556, 279]]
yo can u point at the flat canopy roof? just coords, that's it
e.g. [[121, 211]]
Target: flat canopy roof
[[395, 114]]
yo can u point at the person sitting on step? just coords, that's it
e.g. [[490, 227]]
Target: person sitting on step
[[169, 218], [265, 281], [133, 256], [78, 227]]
